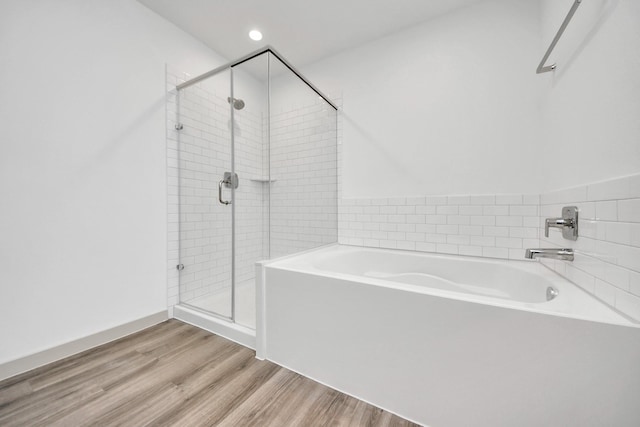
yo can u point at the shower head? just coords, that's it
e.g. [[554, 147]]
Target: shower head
[[238, 104]]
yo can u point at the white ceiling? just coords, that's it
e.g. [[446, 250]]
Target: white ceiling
[[304, 31]]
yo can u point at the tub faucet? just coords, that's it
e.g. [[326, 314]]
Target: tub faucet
[[555, 253]]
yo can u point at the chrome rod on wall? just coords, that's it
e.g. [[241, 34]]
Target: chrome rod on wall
[[542, 68]]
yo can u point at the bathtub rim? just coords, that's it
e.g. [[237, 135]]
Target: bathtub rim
[[534, 267]]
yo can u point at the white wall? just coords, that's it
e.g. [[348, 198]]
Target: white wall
[[591, 109], [447, 107], [454, 106], [82, 170]]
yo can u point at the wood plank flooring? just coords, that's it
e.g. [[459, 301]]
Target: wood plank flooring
[[175, 374]]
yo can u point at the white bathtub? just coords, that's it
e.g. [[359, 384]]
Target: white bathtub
[[450, 341]]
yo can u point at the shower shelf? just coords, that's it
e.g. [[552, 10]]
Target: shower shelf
[[262, 180]]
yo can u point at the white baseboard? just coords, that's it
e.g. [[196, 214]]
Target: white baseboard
[[44, 357]]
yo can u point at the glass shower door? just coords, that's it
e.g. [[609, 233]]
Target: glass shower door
[[206, 184]]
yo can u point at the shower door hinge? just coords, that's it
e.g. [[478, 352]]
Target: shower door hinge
[[180, 267], [179, 126]]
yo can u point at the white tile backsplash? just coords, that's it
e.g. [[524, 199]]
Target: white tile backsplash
[[604, 211], [467, 225], [616, 189], [629, 210], [607, 252]]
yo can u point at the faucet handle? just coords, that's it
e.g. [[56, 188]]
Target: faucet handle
[[556, 223], [568, 223]]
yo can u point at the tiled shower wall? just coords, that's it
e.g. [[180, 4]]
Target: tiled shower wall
[[607, 252], [304, 210], [252, 195]]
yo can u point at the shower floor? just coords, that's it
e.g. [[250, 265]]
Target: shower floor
[[220, 301]]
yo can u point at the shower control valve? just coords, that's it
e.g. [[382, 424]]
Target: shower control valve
[[568, 223]]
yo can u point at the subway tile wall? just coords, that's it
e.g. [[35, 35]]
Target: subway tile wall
[[607, 252], [494, 226], [252, 195], [304, 209], [205, 227]]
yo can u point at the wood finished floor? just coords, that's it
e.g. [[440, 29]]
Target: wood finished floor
[[175, 374]]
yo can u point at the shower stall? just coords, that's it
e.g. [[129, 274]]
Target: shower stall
[[257, 179]]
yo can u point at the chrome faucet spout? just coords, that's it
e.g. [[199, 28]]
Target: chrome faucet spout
[[554, 253]]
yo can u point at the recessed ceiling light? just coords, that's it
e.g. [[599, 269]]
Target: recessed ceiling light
[[255, 35]]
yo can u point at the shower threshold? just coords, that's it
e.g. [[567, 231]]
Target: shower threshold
[[197, 312], [232, 331], [219, 301]]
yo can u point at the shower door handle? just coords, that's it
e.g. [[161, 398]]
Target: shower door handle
[[229, 180], [224, 202]]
